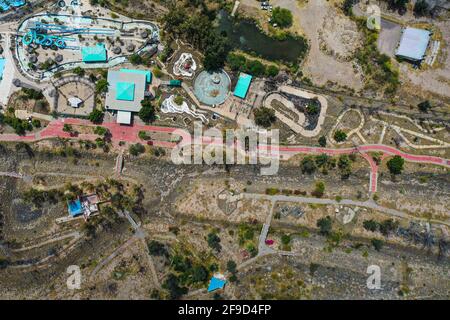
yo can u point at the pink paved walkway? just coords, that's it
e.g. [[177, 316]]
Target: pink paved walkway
[[130, 134]]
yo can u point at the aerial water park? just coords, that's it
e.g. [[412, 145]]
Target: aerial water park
[[48, 35], [51, 43]]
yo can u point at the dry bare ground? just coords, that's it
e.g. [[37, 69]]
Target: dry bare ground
[[333, 39], [436, 80]]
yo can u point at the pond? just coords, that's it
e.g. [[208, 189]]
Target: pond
[[245, 35]]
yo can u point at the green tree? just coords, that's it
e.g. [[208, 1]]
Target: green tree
[[236, 61], [136, 149], [421, 8], [156, 248], [96, 116], [322, 160], [255, 68], [172, 284], [285, 239], [395, 165], [319, 190], [323, 141], [143, 135], [325, 225], [388, 226], [308, 165], [264, 117], [345, 166], [424, 106], [147, 112], [214, 241], [347, 7], [216, 53], [36, 123], [101, 86], [101, 131], [340, 136], [377, 244], [79, 71], [371, 225], [179, 100], [231, 266], [67, 128], [272, 71], [135, 59], [32, 94], [199, 274], [282, 17]]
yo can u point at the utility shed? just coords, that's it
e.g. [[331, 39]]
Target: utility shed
[[124, 117], [413, 44]]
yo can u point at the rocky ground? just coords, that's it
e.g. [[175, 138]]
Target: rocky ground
[[187, 198]]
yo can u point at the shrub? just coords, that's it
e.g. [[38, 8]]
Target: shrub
[[156, 248], [231, 266], [272, 71], [264, 117], [79, 71], [147, 112], [424, 106], [308, 165], [101, 131], [214, 241], [101, 86], [319, 189], [96, 116], [377, 244], [36, 123], [395, 165], [179, 100], [340, 136], [285, 239], [143, 135], [282, 17], [136, 149], [388, 226], [325, 225], [323, 141], [421, 8], [371, 225], [135, 59]]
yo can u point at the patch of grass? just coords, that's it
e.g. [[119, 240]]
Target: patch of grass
[[272, 191]]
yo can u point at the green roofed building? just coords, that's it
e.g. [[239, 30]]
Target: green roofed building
[[175, 83], [147, 73], [242, 85], [94, 54], [125, 91]]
